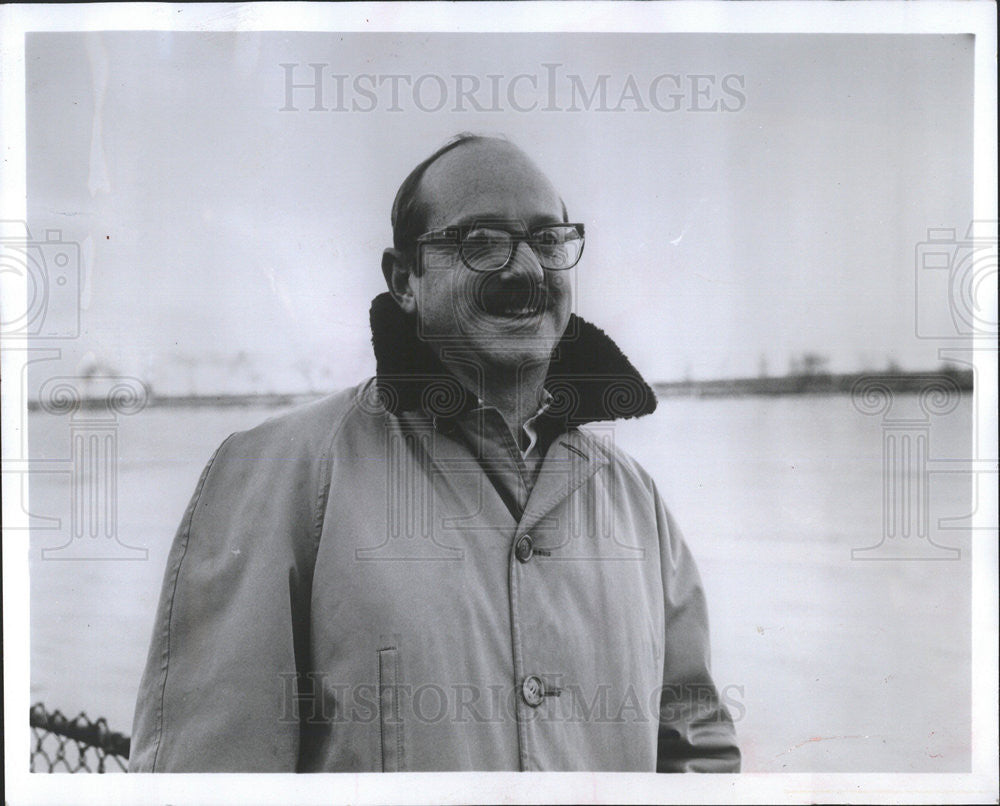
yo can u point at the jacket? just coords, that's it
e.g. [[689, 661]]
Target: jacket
[[348, 592]]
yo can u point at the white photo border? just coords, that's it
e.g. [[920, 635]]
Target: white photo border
[[980, 785]]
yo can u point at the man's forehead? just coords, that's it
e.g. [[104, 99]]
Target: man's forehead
[[487, 179]]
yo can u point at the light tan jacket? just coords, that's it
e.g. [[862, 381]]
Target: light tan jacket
[[348, 592]]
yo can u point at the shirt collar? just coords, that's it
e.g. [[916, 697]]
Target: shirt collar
[[531, 425]]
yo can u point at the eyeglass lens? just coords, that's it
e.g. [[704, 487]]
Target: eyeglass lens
[[556, 247]]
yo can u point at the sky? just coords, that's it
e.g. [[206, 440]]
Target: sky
[[748, 198]]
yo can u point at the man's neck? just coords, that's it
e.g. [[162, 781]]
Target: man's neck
[[516, 392]]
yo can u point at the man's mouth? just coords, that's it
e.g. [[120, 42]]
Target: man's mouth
[[516, 312], [510, 302]]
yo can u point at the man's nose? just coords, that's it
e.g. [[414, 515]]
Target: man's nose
[[524, 263]]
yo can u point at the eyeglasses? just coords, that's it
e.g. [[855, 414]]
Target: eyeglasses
[[486, 247]]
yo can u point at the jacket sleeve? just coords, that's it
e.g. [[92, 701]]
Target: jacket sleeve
[[696, 732], [231, 629]]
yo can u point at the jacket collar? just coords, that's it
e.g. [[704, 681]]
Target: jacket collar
[[589, 378]]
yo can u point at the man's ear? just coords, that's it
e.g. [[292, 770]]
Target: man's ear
[[398, 272]]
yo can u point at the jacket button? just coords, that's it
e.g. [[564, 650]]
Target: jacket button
[[533, 690], [524, 549]]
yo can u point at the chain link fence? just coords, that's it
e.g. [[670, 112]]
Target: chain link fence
[[60, 744]]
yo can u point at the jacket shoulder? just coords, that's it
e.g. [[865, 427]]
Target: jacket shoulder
[[308, 427], [272, 479], [623, 462]]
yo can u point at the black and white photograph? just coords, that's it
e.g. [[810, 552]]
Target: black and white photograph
[[605, 389]]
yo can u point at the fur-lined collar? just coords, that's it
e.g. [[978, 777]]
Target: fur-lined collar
[[589, 378]]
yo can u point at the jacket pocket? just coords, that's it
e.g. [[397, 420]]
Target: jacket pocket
[[390, 712]]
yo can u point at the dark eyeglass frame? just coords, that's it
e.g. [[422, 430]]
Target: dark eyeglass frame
[[456, 236]]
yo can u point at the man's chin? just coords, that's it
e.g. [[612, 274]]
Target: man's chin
[[510, 351]]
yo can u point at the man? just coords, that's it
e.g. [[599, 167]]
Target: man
[[439, 569]]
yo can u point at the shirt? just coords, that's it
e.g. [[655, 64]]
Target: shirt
[[511, 469]]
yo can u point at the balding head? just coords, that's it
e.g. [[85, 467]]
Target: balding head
[[463, 172]]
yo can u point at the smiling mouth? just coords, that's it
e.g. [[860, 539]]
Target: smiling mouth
[[518, 313], [511, 302]]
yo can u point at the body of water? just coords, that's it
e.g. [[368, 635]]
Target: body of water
[[833, 660]]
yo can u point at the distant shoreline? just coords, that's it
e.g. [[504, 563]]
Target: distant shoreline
[[815, 384], [819, 384]]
